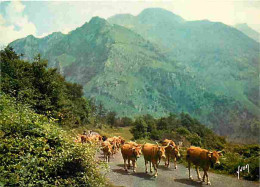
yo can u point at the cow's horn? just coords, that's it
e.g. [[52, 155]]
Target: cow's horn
[[219, 152], [157, 143]]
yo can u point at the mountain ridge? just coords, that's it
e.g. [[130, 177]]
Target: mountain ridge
[[137, 69]]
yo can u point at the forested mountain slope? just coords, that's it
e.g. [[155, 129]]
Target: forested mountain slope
[[157, 67]]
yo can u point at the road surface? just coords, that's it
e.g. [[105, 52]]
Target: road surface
[[167, 177]]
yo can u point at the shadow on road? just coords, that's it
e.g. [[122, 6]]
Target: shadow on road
[[129, 172], [144, 176], [164, 168], [189, 182]]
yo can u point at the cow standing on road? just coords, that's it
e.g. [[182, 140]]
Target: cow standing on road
[[171, 151], [130, 153], [107, 150], [202, 158], [153, 154]]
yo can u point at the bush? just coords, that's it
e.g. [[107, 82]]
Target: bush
[[44, 89], [182, 131], [35, 152]]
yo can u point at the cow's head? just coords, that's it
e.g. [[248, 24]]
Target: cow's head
[[137, 151], [161, 151], [214, 157], [122, 141], [176, 151]]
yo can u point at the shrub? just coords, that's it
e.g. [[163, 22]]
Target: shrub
[[35, 152]]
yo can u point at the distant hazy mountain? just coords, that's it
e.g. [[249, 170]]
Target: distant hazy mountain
[[248, 31], [158, 63]]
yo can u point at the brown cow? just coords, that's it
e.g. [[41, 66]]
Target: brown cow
[[202, 158], [133, 143], [153, 154], [130, 153], [107, 150], [112, 141], [118, 142], [171, 150]]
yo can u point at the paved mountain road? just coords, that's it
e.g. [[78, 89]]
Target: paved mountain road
[[167, 177]]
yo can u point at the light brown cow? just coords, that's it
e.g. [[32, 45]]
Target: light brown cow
[[112, 141], [202, 158], [118, 141], [130, 153], [153, 154], [171, 151], [107, 150]]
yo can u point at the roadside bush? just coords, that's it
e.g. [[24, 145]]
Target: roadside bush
[[240, 155], [35, 152]]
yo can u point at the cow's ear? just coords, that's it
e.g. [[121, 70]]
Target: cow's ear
[[210, 154], [220, 153]]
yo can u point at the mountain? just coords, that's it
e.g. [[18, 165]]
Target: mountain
[[243, 27], [158, 63]]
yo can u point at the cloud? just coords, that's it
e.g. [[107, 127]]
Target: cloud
[[15, 25]]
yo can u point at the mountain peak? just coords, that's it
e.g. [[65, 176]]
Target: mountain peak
[[98, 21], [159, 14]]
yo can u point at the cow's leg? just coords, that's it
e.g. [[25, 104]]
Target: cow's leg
[[190, 177], [151, 167], [168, 161], [104, 156], [125, 164], [175, 162], [129, 164], [108, 157], [204, 174], [208, 182], [134, 166], [145, 162], [155, 168], [198, 172]]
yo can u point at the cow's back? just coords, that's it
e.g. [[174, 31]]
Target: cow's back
[[168, 142], [126, 150], [197, 156], [149, 151]]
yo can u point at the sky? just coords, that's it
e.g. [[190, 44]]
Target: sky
[[40, 18]]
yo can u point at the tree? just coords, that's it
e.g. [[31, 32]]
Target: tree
[[111, 118], [140, 129]]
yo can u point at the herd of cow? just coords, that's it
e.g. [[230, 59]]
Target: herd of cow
[[153, 153]]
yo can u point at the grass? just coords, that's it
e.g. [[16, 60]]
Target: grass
[[106, 131]]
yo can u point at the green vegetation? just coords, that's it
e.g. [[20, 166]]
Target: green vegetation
[[45, 90], [241, 155], [178, 128], [222, 61], [162, 64], [35, 103], [191, 133], [35, 152]]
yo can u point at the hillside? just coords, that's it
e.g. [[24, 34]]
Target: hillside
[[184, 71]]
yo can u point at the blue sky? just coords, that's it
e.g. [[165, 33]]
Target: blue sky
[[40, 18]]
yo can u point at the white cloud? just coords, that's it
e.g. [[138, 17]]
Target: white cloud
[[16, 25]]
